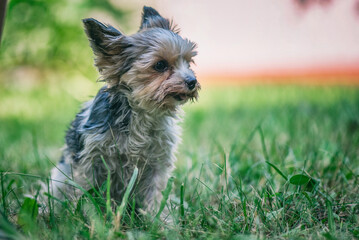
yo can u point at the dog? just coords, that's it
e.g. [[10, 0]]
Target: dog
[[133, 120]]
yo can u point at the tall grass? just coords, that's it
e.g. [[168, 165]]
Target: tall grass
[[255, 162]]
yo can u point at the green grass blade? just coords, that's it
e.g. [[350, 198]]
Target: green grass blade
[[277, 170], [88, 195], [182, 202], [331, 223], [124, 201], [133, 211], [50, 203], [3, 192], [165, 195], [264, 148], [28, 214], [248, 140]]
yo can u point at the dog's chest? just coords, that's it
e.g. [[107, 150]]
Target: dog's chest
[[154, 143]]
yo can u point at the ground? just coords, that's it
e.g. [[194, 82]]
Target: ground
[[255, 162]]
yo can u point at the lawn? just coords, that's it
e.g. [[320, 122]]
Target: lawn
[[255, 162]]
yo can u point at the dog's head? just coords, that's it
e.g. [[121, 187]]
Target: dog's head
[[154, 63]]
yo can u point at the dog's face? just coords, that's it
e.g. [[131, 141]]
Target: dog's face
[[153, 63]]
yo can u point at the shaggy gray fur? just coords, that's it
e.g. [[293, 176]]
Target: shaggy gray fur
[[125, 137]]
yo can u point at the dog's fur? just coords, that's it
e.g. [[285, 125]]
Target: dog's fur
[[133, 120]]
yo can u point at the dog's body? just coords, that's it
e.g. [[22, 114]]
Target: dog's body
[[132, 122]]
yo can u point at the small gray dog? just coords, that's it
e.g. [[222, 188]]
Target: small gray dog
[[133, 120]]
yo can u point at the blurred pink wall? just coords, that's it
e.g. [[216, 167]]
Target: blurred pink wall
[[266, 36]]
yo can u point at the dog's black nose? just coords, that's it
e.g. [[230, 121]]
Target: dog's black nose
[[191, 82]]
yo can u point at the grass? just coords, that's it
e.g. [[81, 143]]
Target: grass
[[276, 162]]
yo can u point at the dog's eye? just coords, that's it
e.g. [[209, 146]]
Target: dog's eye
[[161, 66]]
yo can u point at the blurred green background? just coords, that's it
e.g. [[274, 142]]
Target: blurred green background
[[49, 34], [47, 72]]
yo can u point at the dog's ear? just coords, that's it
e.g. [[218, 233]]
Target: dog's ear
[[152, 19], [109, 45], [100, 35]]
